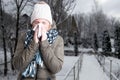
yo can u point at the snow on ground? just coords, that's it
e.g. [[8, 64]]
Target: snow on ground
[[91, 69], [69, 61], [79, 49], [2, 56], [115, 65], [100, 49], [11, 75]]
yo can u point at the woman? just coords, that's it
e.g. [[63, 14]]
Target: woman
[[40, 51]]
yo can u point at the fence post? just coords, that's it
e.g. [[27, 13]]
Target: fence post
[[74, 72], [110, 69], [78, 69], [103, 63]]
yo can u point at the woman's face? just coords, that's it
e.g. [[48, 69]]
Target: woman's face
[[44, 23]]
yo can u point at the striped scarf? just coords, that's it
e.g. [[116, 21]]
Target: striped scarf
[[30, 70]]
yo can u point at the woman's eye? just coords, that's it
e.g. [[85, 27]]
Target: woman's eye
[[44, 22]]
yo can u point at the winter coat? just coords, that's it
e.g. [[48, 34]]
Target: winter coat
[[52, 55]]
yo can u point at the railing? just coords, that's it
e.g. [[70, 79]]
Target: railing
[[73, 73], [4, 63], [110, 73], [101, 60]]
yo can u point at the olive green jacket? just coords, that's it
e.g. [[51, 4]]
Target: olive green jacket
[[52, 54]]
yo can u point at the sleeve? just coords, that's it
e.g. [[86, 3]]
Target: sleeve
[[22, 57], [53, 59]]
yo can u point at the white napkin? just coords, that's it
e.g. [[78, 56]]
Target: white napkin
[[39, 32]]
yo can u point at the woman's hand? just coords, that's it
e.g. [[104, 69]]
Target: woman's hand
[[44, 33], [36, 39]]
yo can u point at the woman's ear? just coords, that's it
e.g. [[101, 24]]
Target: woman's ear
[[49, 27]]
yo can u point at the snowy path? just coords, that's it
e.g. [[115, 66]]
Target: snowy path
[[68, 63], [91, 69]]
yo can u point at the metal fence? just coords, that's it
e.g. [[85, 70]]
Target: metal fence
[[73, 73], [101, 60]]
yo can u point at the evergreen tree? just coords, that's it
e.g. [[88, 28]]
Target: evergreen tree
[[95, 42], [75, 44], [106, 44], [117, 39]]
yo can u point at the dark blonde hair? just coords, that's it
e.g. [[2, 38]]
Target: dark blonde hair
[[42, 2]]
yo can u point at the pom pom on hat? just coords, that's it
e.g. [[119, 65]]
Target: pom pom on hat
[[43, 11]]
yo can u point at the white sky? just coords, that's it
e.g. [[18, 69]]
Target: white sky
[[110, 7]]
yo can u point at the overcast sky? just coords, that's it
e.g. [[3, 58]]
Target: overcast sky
[[109, 7]]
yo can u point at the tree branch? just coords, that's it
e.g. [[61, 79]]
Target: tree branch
[[24, 6]]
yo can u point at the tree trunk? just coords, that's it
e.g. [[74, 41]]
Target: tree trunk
[[75, 44], [17, 30], [5, 52], [4, 40], [11, 51]]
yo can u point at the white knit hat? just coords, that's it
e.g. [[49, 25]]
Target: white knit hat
[[41, 11]]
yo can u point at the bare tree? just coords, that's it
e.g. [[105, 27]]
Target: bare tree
[[10, 36], [60, 8], [3, 38], [111, 28], [99, 21], [95, 22], [80, 23], [20, 5]]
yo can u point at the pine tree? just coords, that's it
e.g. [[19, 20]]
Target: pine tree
[[106, 44], [117, 39], [95, 42], [75, 44]]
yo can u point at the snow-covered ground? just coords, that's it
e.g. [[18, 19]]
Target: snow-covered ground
[[11, 75], [115, 66], [2, 56], [110, 64], [85, 50], [69, 61], [100, 49], [91, 69]]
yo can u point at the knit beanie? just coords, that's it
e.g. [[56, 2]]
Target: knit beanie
[[42, 11]]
